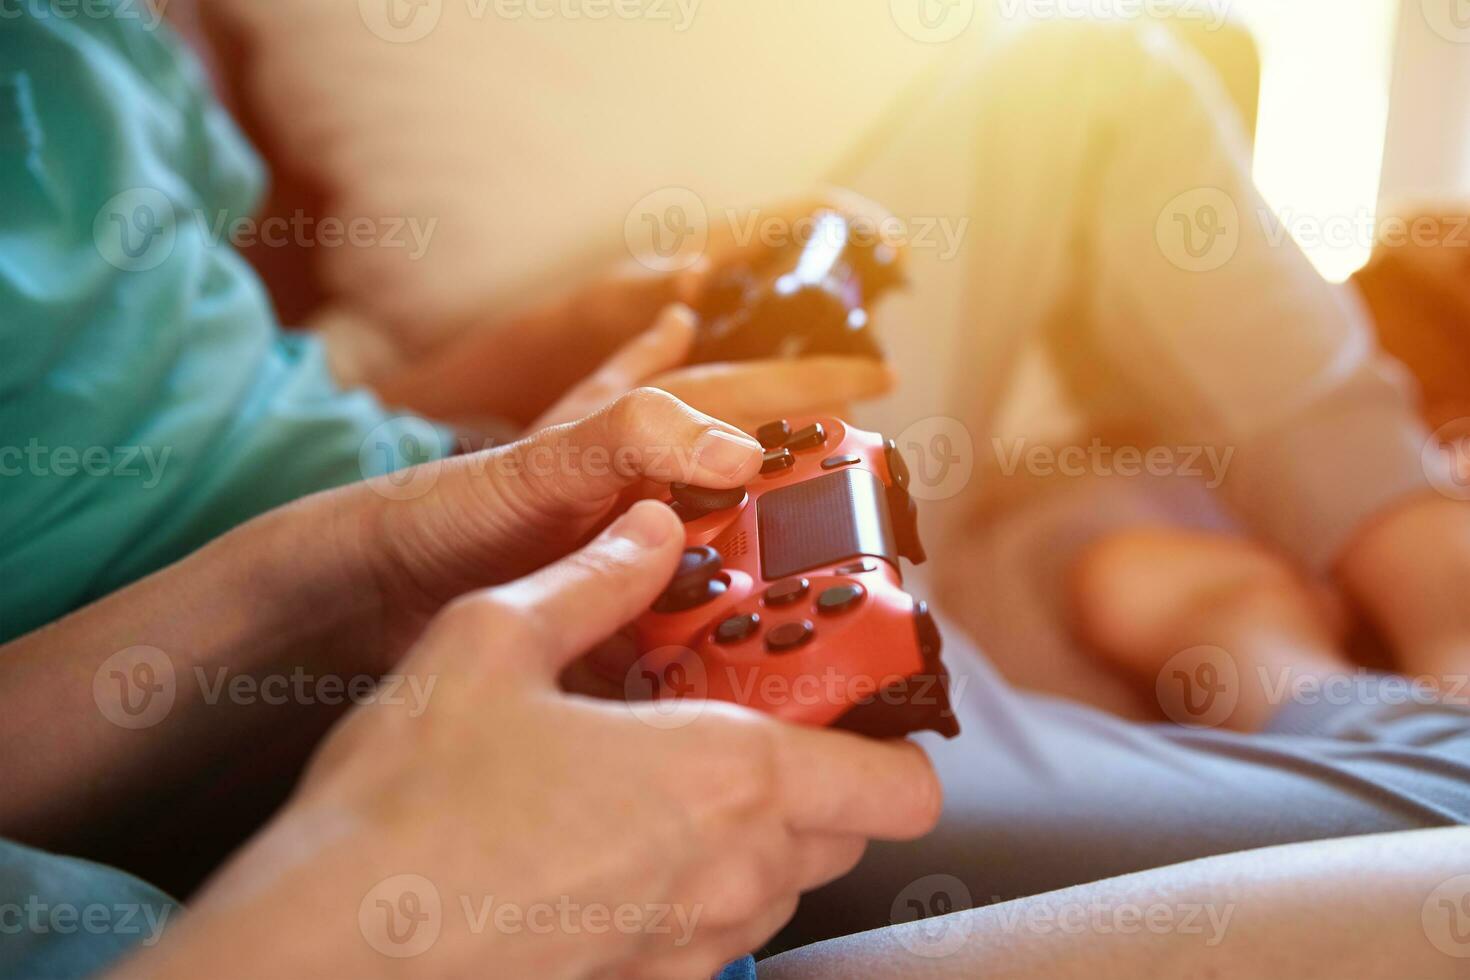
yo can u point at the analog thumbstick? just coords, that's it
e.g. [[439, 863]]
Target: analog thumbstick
[[694, 502], [695, 582]]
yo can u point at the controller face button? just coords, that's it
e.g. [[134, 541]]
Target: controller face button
[[789, 636], [857, 568], [774, 434], [777, 460], [695, 581], [737, 628], [812, 437], [787, 591], [840, 598], [837, 462], [896, 464]]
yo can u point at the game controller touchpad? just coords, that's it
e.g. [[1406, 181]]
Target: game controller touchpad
[[830, 519]]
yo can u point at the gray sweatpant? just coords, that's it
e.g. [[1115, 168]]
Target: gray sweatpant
[[1042, 794]]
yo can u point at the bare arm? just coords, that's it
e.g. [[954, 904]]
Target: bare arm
[[163, 682], [1371, 908]]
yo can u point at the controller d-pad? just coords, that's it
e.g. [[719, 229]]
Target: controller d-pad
[[787, 591], [777, 460], [840, 598], [774, 434], [788, 636], [737, 628], [811, 437]]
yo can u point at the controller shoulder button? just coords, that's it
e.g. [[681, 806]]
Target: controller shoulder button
[[774, 434], [787, 591], [789, 636], [837, 462], [840, 598], [777, 460], [811, 437], [897, 467]]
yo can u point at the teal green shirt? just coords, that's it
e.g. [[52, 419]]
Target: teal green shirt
[[148, 399], [63, 918]]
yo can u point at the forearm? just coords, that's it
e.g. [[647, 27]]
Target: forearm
[[1373, 908], [134, 692]]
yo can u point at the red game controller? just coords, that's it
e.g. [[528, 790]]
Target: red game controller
[[789, 598]]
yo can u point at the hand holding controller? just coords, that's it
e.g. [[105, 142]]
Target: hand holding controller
[[789, 598], [801, 300]]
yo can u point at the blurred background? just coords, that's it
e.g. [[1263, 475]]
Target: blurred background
[[1361, 105]]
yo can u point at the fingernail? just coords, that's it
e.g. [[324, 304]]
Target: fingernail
[[646, 524], [725, 454]]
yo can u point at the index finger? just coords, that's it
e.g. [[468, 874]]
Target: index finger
[[837, 782]]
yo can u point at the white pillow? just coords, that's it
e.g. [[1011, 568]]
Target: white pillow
[[526, 141]]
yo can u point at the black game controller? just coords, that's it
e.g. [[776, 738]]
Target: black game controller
[[809, 298]]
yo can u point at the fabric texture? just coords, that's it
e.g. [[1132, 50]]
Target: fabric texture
[[148, 400], [1043, 794], [531, 134], [63, 918], [1112, 218]]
